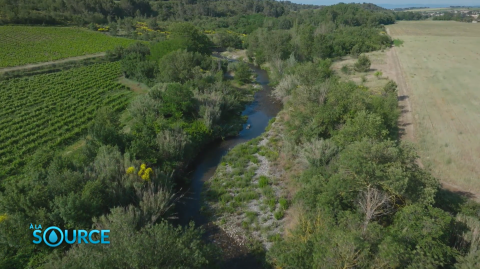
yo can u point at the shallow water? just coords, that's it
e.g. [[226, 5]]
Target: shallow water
[[259, 112]]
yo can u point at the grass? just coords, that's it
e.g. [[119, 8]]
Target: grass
[[344, 69], [440, 62], [398, 42], [262, 181], [279, 214], [251, 199], [283, 203], [26, 44]]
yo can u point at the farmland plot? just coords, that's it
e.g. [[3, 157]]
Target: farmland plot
[[440, 63], [21, 45], [53, 109]]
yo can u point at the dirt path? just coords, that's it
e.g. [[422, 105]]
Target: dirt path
[[29, 66], [395, 72]]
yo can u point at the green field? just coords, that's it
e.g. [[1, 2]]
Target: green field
[[21, 45], [54, 109]]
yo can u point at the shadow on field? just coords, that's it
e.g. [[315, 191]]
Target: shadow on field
[[402, 97], [456, 201]]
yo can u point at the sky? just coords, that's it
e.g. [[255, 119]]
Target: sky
[[403, 3]]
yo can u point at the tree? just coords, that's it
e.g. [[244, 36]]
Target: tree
[[162, 48], [422, 235], [243, 74], [385, 166], [363, 125], [152, 246], [363, 64], [373, 203], [195, 40], [179, 66], [177, 101], [227, 40], [355, 51]]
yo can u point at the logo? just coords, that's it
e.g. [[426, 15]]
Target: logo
[[54, 236]]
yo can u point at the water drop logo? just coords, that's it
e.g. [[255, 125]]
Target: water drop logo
[[54, 236], [53, 240]]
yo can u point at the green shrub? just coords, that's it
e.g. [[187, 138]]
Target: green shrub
[[267, 191], [390, 87], [243, 74], [363, 64], [225, 198], [398, 42], [283, 203], [279, 214], [345, 69], [355, 51], [246, 196], [274, 238], [271, 204], [262, 181]]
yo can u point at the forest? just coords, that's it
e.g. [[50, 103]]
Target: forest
[[362, 200], [101, 11]]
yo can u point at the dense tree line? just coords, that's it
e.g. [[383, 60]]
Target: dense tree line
[[362, 199], [451, 16], [330, 32], [101, 11], [409, 16]]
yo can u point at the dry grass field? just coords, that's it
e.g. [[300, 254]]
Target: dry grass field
[[374, 83], [440, 9], [440, 62]]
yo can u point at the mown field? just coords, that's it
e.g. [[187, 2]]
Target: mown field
[[440, 62], [54, 109], [24, 44]]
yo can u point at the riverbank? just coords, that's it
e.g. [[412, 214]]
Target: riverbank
[[235, 253], [246, 197]]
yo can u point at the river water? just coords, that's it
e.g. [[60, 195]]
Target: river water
[[259, 112]]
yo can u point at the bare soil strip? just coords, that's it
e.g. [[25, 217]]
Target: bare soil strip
[[395, 72], [71, 59]]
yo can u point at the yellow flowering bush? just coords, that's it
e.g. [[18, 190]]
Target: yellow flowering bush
[[130, 170], [145, 173], [3, 217], [142, 169]]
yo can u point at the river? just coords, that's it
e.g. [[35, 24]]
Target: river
[[259, 112]]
